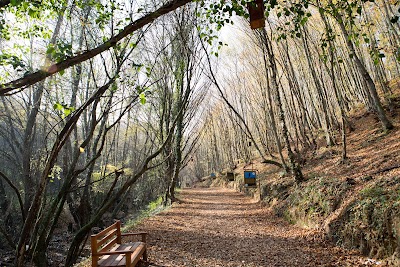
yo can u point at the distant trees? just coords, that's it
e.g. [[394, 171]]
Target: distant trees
[[324, 66], [174, 48], [104, 103]]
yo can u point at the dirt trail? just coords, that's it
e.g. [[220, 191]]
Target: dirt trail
[[219, 227]]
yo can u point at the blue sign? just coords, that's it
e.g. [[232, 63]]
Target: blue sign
[[250, 175]]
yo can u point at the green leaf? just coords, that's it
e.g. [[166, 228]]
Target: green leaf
[[67, 111], [58, 106], [142, 98], [148, 71], [15, 2], [114, 87], [139, 89], [31, 12], [303, 21], [50, 50]]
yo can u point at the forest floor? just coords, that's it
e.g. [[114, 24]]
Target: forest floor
[[220, 227]]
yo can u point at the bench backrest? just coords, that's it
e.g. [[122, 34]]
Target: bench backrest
[[107, 238]]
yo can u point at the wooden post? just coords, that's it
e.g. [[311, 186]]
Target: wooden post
[[93, 243], [145, 253], [144, 235], [118, 223], [128, 260]]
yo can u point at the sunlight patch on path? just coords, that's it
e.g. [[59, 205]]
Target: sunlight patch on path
[[220, 227]]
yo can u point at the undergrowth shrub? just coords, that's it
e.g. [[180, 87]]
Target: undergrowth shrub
[[372, 223], [310, 203]]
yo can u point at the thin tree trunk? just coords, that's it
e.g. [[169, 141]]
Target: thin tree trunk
[[295, 167], [386, 124]]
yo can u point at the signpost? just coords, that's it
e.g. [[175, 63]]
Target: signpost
[[230, 176], [250, 180], [250, 177]]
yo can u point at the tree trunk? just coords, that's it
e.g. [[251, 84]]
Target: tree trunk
[[386, 124], [319, 88], [295, 167], [335, 87]]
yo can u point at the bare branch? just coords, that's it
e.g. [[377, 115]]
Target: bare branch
[[31, 79], [10, 183]]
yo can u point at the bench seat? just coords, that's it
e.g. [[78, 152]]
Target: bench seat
[[137, 248], [108, 250]]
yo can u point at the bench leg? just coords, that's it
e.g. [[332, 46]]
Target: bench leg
[[145, 255]]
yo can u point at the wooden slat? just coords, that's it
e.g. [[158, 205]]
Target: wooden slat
[[143, 234], [102, 241], [119, 260], [113, 260], [138, 253], [106, 230], [108, 259], [135, 248], [109, 245]]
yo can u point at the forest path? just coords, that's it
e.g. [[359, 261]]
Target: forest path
[[220, 227]]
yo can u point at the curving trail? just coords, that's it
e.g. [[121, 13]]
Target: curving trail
[[219, 227]]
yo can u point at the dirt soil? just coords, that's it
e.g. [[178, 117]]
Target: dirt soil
[[220, 227]]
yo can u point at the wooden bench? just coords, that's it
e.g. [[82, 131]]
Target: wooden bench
[[107, 249]]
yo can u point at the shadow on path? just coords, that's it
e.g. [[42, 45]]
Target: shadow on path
[[219, 227]]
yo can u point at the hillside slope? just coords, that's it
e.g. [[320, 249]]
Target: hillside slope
[[355, 202]]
